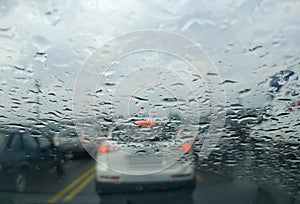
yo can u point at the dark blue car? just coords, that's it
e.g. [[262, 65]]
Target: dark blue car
[[23, 156]]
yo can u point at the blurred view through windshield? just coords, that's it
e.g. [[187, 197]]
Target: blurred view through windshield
[[150, 101]]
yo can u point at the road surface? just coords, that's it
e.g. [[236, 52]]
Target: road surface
[[77, 187]]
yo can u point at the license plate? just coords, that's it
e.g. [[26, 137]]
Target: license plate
[[144, 160]]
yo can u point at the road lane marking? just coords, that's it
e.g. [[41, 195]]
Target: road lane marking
[[80, 187], [198, 177], [65, 190]]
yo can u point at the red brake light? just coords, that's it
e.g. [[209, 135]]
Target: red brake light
[[180, 176], [145, 123], [110, 177], [54, 142], [103, 149], [106, 148], [186, 147]]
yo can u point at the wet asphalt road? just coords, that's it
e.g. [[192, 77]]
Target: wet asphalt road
[[78, 187]]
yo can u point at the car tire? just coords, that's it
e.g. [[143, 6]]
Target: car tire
[[20, 182]]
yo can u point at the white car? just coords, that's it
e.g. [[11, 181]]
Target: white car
[[144, 156]]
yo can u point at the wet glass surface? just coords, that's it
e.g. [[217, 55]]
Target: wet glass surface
[[236, 112]]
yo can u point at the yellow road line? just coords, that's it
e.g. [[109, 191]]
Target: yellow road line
[[198, 177], [65, 190], [80, 187]]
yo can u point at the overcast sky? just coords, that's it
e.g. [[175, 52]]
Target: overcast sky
[[248, 41]]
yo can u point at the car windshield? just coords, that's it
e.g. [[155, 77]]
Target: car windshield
[[164, 101]]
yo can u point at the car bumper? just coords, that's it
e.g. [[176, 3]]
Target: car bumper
[[176, 172], [118, 187], [178, 176]]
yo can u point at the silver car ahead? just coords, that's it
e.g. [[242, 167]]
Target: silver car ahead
[[144, 156]]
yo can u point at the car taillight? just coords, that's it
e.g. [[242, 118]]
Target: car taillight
[[145, 123], [107, 148], [111, 177], [82, 141], [180, 176], [54, 142], [187, 148], [103, 149]]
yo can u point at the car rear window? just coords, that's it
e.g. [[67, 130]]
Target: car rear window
[[44, 143], [70, 133], [135, 132], [15, 142], [29, 142]]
